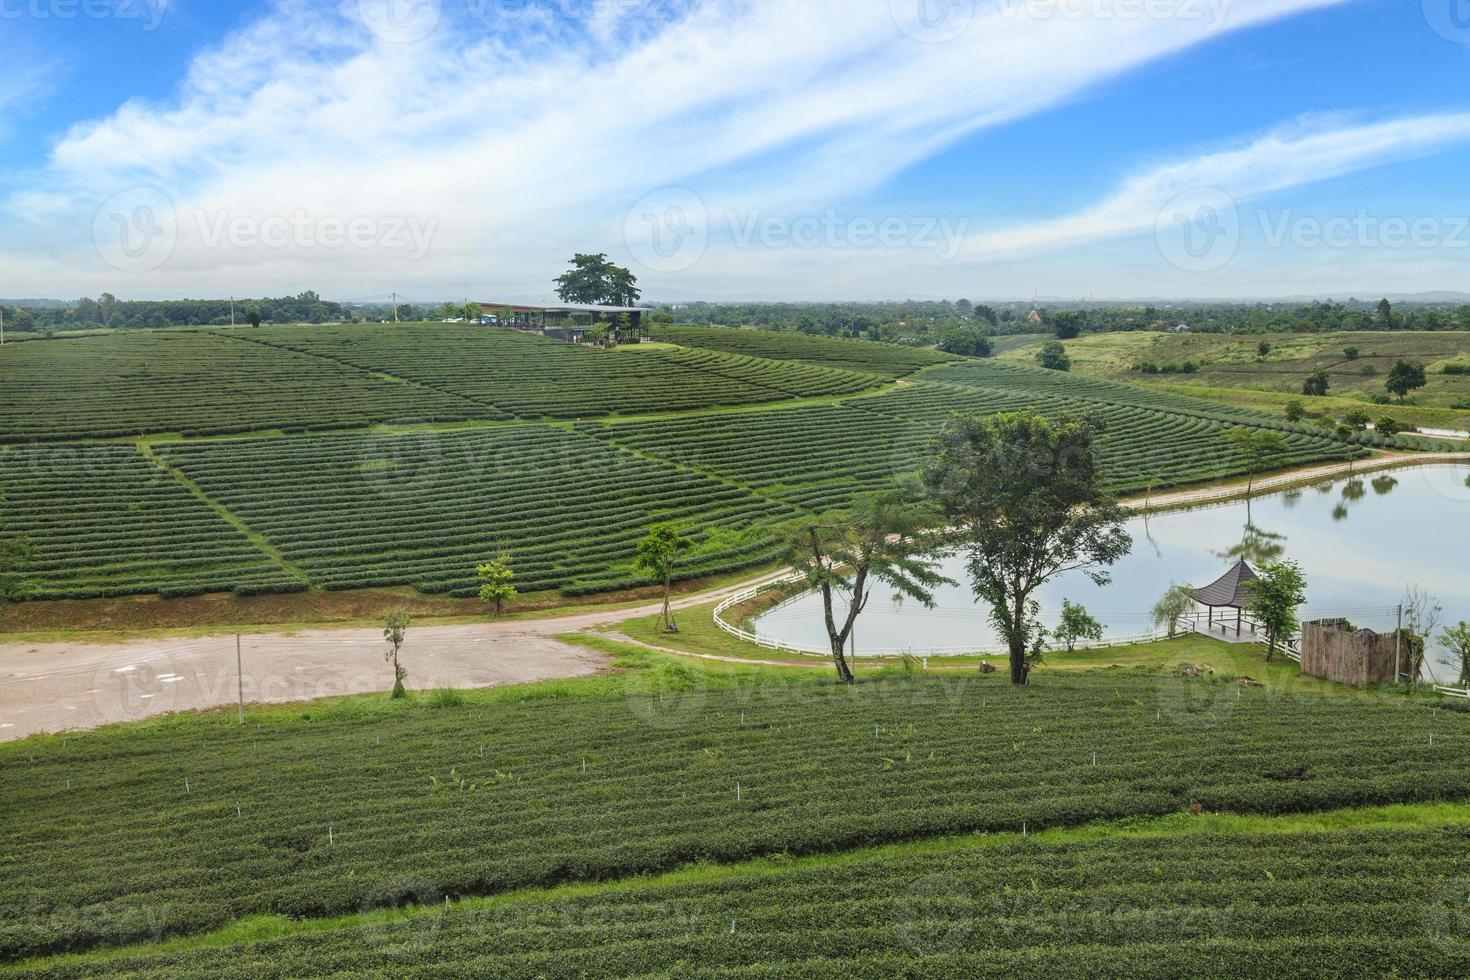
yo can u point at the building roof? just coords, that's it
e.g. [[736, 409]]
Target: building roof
[[1229, 589], [564, 308]]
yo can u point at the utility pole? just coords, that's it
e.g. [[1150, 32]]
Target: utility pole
[[395, 307], [2, 326], [232, 311], [1398, 640], [240, 677]]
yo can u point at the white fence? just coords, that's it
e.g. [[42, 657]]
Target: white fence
[[770, 643], [1452, 692]]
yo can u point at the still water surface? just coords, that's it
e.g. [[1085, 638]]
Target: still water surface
[[1360, 543]]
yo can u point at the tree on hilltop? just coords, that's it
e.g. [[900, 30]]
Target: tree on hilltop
[[595, 281]]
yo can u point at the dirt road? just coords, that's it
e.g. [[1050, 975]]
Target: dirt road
[[50, 687]]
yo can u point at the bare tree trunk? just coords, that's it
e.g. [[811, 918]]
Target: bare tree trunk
[[838, 638], [1017, 643], [668, 622]]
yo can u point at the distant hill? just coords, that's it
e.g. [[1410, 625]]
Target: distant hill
[[36, 304]]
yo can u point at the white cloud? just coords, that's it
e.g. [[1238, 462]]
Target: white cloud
[[1301, 154], [520, 136]]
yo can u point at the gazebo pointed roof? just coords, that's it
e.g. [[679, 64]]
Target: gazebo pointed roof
[[1229, 590]]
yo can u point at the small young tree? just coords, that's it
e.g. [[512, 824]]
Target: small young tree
[[1295, 411], [1388, 426], [1357, 419], [497, 581], [885, 535], [1027, 501], [1176, 603], [1259, 447], [393, 632], [252, 315], [1274, 600], [1422, 616], [1076, 625], [1457, 638], [1263, 350], [658, 555], [1404, 378]]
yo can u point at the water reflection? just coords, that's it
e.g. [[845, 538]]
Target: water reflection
[[1258, 546], [1414, 527]]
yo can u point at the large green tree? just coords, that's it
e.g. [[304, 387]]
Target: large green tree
[[1026, 502], [594, 280], [887, 535]]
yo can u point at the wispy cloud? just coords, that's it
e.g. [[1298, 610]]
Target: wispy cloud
[[518, 134], [1304, 153]]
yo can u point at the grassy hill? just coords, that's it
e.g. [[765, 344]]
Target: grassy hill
[[1229, 368]]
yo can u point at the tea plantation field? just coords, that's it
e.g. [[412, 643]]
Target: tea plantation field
[[172, 828], [857, 355], [424, 508], [1364, 903], [472, 440], [529, 376], [101, 520]]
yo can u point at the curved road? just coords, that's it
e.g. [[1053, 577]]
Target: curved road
[[49, 687]]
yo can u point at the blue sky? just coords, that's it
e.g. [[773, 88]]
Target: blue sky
[[736, 149]]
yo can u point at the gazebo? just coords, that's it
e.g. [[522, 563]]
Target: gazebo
[[1229, 591]]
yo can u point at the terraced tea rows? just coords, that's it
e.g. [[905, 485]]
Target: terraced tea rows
[[817, 458], [115, 847], [424, 508], [197, 383], [1364, 903], [533, 377], [888, 360], [101, 520]]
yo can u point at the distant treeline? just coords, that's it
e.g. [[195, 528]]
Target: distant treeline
[[930, 321], [107, 311]]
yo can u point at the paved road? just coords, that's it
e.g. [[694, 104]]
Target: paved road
[[49, 687]]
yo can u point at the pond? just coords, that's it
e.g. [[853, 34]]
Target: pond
[[1360, 543]]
